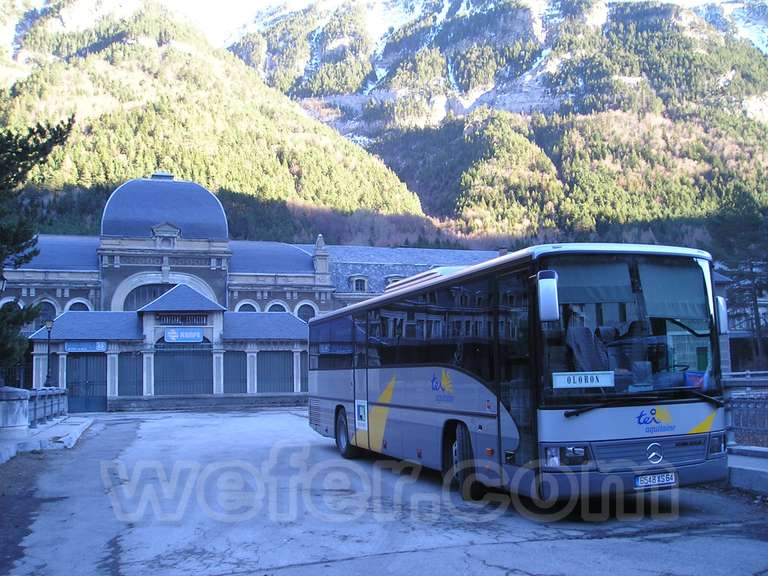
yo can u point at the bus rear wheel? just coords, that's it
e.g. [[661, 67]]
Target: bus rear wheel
[[342, 436], [463, 465]]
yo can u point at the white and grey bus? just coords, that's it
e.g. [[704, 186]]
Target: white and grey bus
[[557, 369]]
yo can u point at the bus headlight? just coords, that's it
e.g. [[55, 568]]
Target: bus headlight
[[552, 457], [564, 456], [716, 444]]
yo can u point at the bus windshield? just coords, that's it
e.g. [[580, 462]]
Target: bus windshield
[[629, 325]]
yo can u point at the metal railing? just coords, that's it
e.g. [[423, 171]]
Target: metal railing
[[746, 396], [45, 404]]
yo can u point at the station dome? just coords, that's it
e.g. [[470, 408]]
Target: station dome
[[140, 205]]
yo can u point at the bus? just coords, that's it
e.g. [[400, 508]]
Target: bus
[[553, 371]]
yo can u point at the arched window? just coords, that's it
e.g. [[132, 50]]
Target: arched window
[[78, 307], [247, 307], [276, 308], [306, 312], [47, 312], [10, 303], [143, 295]]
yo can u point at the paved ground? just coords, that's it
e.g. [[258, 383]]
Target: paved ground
[[243, 493]]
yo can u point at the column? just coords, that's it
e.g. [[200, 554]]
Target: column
[[297, 371], [149, 373], [62, 369], [112, 374], [253, 358], [218, 371], [39, 366]]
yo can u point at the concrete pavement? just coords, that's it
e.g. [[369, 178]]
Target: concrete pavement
[[243, 493], [748, 472], [62, 432]]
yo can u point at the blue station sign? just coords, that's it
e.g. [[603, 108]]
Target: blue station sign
[[183, 335], [82, 347]]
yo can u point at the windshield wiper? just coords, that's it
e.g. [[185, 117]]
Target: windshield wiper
[[711, 399], [614, 402]]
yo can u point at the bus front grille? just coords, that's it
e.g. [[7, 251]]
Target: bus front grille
[[616, 456]]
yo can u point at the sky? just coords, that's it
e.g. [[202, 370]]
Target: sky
[[219, 19]]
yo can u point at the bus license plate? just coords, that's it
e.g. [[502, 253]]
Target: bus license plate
[[650, 480]]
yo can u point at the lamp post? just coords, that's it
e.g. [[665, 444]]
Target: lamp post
[[49, 327]]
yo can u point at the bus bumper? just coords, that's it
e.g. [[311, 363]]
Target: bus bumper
[[564, 485]]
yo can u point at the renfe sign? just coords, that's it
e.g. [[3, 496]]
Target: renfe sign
[[82, 347], [184, 335]]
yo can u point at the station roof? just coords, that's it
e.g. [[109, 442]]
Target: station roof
[[269, 258], [264, 326], [182, 298], [137, 206], [67, 253], [379, 263], [87, 325]]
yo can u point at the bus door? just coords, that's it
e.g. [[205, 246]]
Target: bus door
[[360, 378], [517, 411]]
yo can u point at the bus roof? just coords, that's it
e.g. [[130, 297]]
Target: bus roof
[[453, 273]]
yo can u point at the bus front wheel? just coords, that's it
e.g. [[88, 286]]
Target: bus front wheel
[[463, 465], [342, 436]]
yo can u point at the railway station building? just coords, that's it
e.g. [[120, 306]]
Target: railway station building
[[162, 303]]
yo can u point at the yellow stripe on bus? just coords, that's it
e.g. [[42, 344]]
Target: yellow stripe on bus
[[705, 425], [377, 419]]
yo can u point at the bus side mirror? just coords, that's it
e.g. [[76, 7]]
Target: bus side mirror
[[722, 315], [549, 307]]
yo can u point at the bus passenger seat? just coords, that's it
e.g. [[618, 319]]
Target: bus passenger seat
[[589, 353]]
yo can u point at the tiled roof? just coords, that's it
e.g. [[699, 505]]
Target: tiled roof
[[65, 253], [135, 207], [182, 298], [269, 258], [264, 326], [378, 264], [93, 326], [413, 256]]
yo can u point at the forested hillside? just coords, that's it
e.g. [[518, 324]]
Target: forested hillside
[[531, 120], [471, 122], [149, 93]]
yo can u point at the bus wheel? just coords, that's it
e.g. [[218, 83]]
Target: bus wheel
[[463, 465], [342, 436]]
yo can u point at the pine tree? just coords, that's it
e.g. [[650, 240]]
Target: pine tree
[[19, 153]]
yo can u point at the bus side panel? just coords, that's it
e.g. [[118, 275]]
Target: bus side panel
[[329, 389], [410, 407]]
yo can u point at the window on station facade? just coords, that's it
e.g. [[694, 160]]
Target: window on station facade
[[79, 307], [360, 285], [276, 308], [181, 319], [143, 295], [247, 307], [306, 312], [47, 312]]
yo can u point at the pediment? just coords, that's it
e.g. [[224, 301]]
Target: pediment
[[166, 230]]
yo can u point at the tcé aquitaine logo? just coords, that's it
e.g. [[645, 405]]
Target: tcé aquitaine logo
[[443, 386], [655, 420]]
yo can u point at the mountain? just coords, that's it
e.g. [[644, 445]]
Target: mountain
[[473, 122], [532, 120], [150, 93]]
